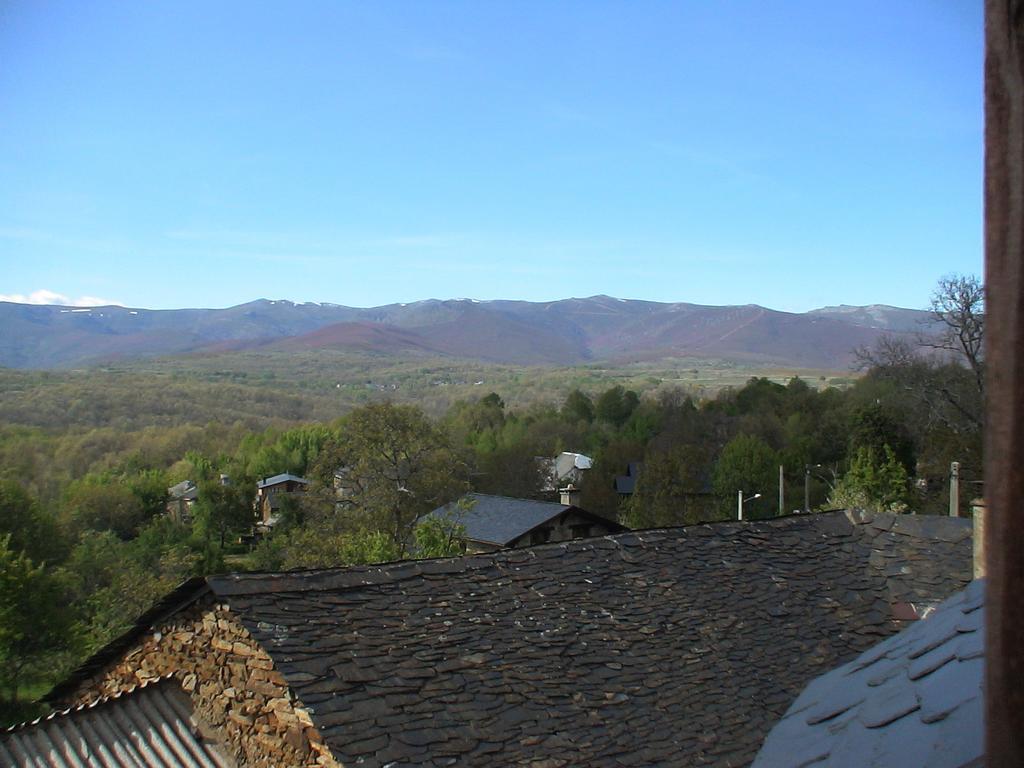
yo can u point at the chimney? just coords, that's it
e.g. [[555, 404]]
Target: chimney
[[978, 513], [570, 495]]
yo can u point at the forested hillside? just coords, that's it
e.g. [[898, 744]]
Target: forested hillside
[[259, 388]]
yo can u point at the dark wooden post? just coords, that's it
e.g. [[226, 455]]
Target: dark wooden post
[[1004, 441]]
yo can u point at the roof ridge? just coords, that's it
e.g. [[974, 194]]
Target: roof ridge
[[348, 576], [512, 498], [88, 705], [368, 574]]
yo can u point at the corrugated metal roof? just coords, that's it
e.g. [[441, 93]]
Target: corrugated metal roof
[[152, 725]]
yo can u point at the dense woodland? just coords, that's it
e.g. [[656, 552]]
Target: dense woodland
[[86, 545]]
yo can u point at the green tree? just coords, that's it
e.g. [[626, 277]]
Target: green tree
[[672, 489], [876, 481], [150, 488], [760, 395], [874, 427], [616, 404], [747, 463], [113, 581], [578, 407], [165, 547], [35, 625], [30, 528], [402, 466], [101, 504], [599, 494], [222, 509], [312, 547], [477, 423], [440, 537], [292, 451], [201, 466], [510, 470]]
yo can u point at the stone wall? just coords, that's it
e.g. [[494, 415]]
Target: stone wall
[[232, 682]]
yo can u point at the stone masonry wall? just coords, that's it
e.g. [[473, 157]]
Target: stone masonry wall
[[232, 682]]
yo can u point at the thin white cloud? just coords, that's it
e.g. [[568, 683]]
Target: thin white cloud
[[45, 296]]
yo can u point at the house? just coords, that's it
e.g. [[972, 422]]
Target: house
[[914, 699], [152, 725], [269, 493], [625, 485], [565, 469], [180, 500], [497, 522], [345, 485], [672, 647]]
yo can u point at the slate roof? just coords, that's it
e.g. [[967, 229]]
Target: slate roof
[[282, 478], [149, 726], [666, 647], [500, 520], [914, 699], [669, 647], [912, 553], [626, 484]]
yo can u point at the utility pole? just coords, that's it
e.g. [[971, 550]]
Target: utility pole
[[954, 489], [782, 493], [807, 487]]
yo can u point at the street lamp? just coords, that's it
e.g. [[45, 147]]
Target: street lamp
[[808, 471], [740, 501]]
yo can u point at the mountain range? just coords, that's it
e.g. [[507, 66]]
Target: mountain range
[[565, 332]]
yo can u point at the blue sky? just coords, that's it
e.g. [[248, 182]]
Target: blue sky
[[790, 154]]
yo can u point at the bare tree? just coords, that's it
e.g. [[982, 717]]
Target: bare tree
[[888, 351], [937, 379], [958, 304]]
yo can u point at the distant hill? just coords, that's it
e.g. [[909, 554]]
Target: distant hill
[[565, 332], [880, 316]]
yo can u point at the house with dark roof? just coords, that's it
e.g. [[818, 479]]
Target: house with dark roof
[[625, 485], [271, 490], [498, 522], [180, 499], [669, 647], [914, 699]]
